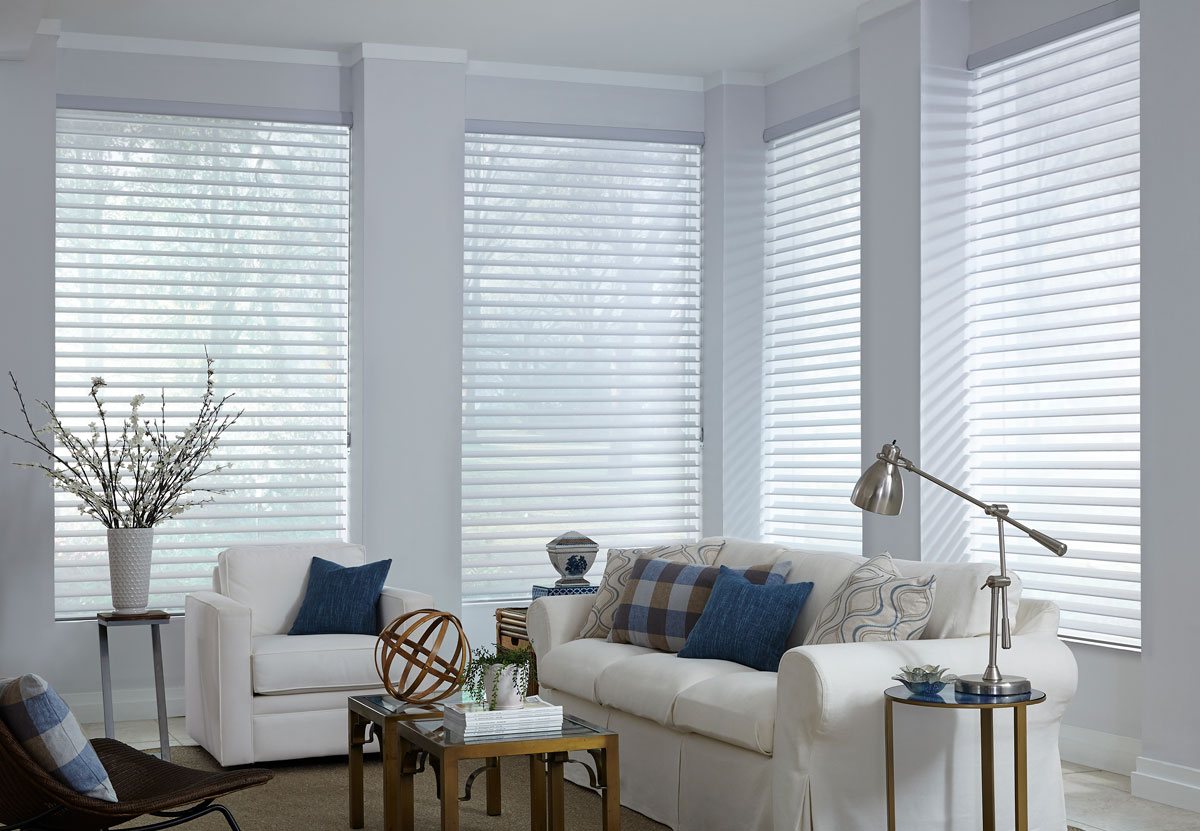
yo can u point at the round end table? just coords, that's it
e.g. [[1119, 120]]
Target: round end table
[[948, 699]]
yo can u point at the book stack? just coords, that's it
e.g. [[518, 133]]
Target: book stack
[[472, 720]]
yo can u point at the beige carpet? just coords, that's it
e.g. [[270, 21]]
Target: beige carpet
[[313, 794]]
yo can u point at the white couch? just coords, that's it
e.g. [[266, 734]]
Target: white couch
[[708, 744], [257, 694]]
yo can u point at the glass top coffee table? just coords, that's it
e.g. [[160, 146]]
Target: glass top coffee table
[[414, 734]]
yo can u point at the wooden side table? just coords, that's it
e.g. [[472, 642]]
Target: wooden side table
[[153, 618], [512, 634], [986, 705]]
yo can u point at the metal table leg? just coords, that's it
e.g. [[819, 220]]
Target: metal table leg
[[891, 764], [106, 684], [988, 759], [160, 694], [1021, 768]]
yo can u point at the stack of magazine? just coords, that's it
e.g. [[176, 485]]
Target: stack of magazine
[[470, 720]]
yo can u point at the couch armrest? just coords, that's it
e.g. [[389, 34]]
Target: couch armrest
[[552, 621], [217, 676], [829, 726], [394, 602]]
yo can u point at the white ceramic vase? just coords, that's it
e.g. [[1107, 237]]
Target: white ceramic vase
[[129, 552], [509, 696]]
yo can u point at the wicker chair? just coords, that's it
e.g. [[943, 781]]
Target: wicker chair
[[33, 800]]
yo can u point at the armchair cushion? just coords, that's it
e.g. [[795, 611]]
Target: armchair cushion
[[284, 664], [271, 579], [341, 600]]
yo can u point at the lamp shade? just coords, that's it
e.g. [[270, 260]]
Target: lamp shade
[[880, 489]]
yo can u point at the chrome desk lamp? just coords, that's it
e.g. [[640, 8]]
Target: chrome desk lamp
[[880, 490]]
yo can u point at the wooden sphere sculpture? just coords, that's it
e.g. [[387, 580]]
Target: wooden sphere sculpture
[[416, 638]]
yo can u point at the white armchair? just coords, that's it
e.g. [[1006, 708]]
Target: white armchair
[[256, 694]]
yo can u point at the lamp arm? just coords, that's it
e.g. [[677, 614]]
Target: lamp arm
[[1044, 540]]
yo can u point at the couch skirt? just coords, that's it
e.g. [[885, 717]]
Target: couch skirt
[[682, 780]]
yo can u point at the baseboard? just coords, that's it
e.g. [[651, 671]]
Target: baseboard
[[128, 705], [1118, 754], [1168, 783]]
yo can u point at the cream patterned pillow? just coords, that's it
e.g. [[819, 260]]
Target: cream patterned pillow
[[616, 574], [875, 604]]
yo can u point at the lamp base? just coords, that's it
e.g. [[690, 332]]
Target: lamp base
[[1008, 685]]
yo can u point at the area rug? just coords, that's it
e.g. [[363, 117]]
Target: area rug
[[314, 794]]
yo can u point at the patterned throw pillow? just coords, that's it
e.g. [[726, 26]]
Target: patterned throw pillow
[[875, 604], [40, 720], [662, 601], [616, 575]]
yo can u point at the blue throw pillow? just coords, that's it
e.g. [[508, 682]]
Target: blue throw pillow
[[745, 623], [341, 600], [40, 720]]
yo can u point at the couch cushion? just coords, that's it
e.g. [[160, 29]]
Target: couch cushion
[[875, 604], [647, 685], [616, 574], [742, 553], [272, 579], [287, 664], [662, 601], [960, 609], [738, 708], [575, 666]]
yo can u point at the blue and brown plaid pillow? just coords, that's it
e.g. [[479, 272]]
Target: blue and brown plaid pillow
[[39, 719], [663, 600]]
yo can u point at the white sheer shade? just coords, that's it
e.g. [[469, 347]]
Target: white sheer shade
[[811, 445], [581, 355], [1053, 321], [176, 234]]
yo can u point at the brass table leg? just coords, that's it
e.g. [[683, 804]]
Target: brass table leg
[[610, 780], [449, 793], [988, 759], [392, 776], [493, 787], [358, 733], [537, 793], [1021, 768], [554, 785], [891, 764], [403, 798]]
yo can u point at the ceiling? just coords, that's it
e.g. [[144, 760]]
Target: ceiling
[[679, 37]]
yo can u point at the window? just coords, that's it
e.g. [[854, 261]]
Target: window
[[812, 451], [581, 357], [175, 234], [1053, 321]]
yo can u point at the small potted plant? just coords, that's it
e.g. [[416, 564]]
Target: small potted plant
[[499, 679]]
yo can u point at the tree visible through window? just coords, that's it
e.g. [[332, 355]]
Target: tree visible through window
[[176, 234]]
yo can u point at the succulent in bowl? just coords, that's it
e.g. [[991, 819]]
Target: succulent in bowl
[[924, 680]]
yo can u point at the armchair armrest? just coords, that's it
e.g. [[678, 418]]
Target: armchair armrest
[[394, 602], [830, 727], [552, 621], [217, 676]]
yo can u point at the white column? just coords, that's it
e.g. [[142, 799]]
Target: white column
[[27, 631], [890, 102], [1169, 768], [406, 318], [734, 170]]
